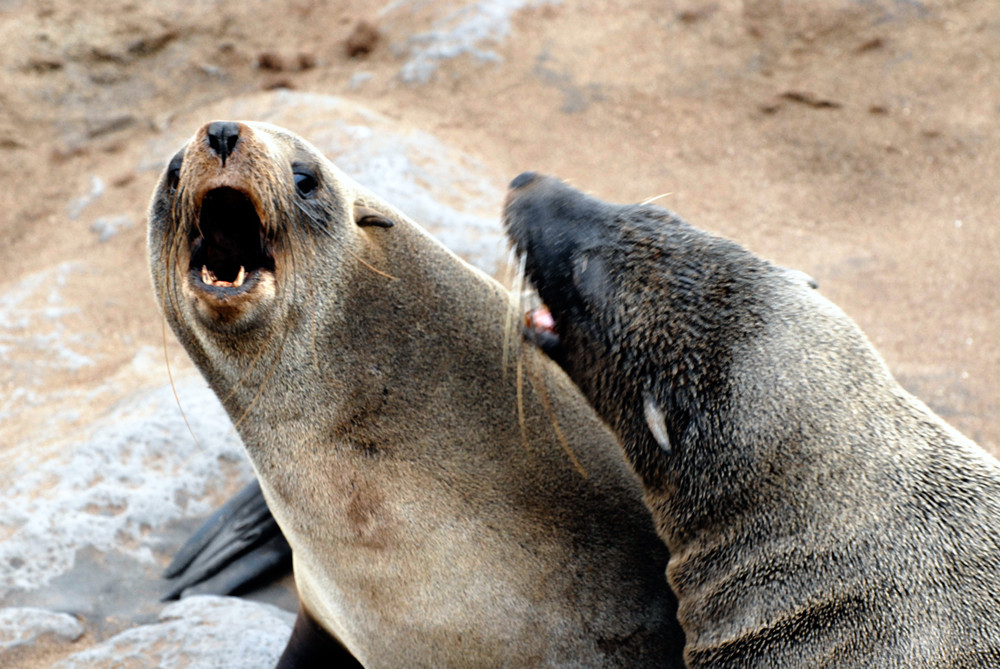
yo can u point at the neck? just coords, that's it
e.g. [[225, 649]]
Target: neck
[[750, 430]]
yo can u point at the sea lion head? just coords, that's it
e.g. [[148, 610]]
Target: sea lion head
[[237, 223], [641, 303], [224, 219]]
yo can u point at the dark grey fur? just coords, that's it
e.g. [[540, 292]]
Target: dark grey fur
[[816, 513]]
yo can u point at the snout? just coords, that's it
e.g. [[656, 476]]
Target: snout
[[225, 185], [528, 210], [549, 222]]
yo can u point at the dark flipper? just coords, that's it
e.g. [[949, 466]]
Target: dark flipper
[[312, 647], [240, 543]]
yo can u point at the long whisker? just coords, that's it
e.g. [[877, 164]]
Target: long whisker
[[369, 266], [657, 197], [543, 395], [167, 285], [173, 386], [317, 221], [319, 224], [514, 311], [520, 405]]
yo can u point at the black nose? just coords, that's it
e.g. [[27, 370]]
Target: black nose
[[222, 137], [522, 180]]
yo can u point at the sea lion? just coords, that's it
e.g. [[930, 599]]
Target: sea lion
[[816, 513], [447, 503]]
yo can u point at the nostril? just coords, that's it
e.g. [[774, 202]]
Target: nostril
[[222, 137]]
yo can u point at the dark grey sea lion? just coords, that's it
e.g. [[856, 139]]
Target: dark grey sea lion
[[816, 513]]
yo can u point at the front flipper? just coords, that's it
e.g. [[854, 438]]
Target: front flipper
[[240, 543], [312, 647]]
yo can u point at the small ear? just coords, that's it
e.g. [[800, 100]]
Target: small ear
[[656, 422], [365, 217], [803, 277]]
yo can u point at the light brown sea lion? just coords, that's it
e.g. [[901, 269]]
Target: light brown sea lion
[[816, 513], [435, 516]]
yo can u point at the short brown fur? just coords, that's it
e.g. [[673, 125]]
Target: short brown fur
[[365, 377]]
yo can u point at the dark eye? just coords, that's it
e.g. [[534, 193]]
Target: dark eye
[[305, 180], [174, 171]]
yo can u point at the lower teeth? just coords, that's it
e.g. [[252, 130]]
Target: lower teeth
[[209, 279]]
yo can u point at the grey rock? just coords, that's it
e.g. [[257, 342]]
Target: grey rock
[[201, 632], [23, 626], [107, 227], [77, 205], [137, 468], [457, 31]]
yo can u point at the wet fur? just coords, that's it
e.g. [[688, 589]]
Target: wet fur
[[372, 394], [816, 513]]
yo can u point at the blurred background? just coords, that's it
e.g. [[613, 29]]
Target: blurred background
[[855, 140]]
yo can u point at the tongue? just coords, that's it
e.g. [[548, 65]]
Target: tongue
[[540, 320]]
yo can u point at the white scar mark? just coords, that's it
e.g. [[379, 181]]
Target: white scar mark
[[657, 423]]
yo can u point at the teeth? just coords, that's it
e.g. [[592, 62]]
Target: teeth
[[209, 279]]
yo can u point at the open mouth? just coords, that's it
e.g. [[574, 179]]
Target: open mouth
[[229, 249], [539, 328], [540, 320]]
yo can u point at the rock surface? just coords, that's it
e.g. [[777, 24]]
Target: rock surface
[[200, 632], [24, 626]]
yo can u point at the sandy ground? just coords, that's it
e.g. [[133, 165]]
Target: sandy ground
[[856, 141]]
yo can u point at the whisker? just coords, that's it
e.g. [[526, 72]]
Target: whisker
[[167, 286], [514, 311], [173, 386], [369, 266], [543, 395], [317, 221], [654, 199], [520, 406], [321, 225]]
